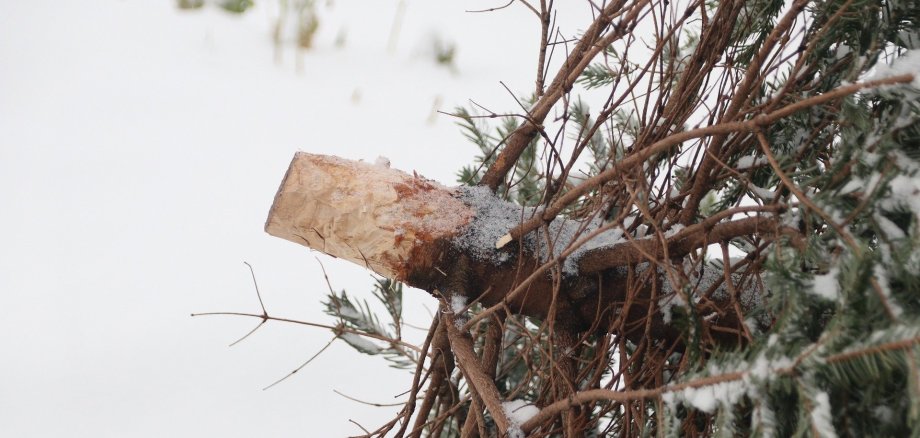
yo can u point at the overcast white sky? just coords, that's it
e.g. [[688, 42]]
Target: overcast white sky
[[140, 148]]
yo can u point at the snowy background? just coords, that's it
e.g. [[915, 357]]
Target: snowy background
[[140, 148]]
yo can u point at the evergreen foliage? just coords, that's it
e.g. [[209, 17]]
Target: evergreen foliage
[[528, 179], [357, 323], [829, 346], [838, 355]]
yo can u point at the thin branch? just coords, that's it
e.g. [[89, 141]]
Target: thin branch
[[376, 405], [593, 395], [313, 324], [478, 379], [888, 346], [256, 284], [321, 350], [261, 323], [673, 140], [679, 245], [476, 11], [588, 47], [356, 424], [441, 367], [264, 312], [413, 392]]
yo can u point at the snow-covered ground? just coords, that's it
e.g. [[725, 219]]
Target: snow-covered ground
[[140, 148]]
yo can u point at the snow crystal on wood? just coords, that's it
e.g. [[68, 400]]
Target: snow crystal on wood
[[495, 217]]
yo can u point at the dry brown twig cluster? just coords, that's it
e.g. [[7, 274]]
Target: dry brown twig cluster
[[702, 88], [599, 341]]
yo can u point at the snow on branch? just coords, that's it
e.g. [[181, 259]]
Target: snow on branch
[[439, 239]]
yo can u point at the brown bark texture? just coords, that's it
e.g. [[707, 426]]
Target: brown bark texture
[[441, 240]]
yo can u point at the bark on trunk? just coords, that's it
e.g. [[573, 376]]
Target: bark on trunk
[[435, 238]]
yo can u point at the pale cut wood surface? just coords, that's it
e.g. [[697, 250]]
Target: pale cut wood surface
[[366, 213]]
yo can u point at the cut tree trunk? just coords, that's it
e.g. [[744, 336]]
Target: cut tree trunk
[[442, 240]]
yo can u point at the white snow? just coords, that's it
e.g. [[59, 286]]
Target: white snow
[[764, 419], [821, 416], [854, 184], [764, 368], [747, 162], [382, 162], [458, 304], [361, 343], [666, 304], [826, 285], [519, 411], [349, 312], [762, 193], [908, 62], [905, 191], [676, 228], [761, 367], [708, 398], [458, 307], [496, 217], [881, 278], [891, 230], [141, 149], [515, 431]]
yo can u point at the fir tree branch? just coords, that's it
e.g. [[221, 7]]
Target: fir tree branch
[[337, 329], [479, 380], [545, 11], [593, 395], [409, 408], [666, 143], [740, 96], [679, 245], [587, 48], [888, 346], [442, 365]]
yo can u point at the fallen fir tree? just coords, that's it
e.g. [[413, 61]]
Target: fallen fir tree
[[728, 246], [446, 241]]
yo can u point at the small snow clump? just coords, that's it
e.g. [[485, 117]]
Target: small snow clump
[[826, 285], [382, 162], [518, 412], [360, 343], [907, 63], [821, 416]]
